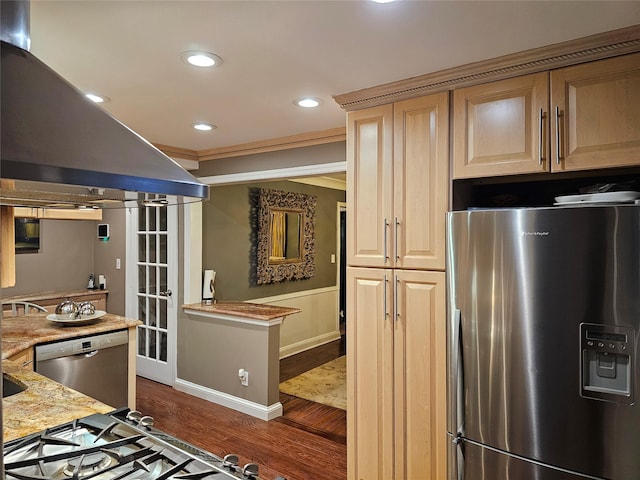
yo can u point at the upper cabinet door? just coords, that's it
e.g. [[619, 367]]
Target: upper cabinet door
[[598, 114], [369, 186], [421, 182], [499, 128]]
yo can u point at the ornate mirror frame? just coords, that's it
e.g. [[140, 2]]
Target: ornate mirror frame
[[271, 271]]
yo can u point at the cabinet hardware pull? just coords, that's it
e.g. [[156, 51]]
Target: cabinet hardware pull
[[540, 144], [395, 240], [558, 157], [384, 245], [384, 299], [395, 299]]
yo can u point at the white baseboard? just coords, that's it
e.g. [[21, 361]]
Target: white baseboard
[[308, 344], [240, 404]]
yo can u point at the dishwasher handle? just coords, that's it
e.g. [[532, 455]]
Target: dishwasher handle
[[80, 346]]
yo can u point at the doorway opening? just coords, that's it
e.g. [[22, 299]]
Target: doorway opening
[[342, 268]]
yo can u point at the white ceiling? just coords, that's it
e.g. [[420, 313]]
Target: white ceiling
[[276, 51]]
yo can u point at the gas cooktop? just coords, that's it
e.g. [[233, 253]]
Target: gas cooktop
[[119, 445]]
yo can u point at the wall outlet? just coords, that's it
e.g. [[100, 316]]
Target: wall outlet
[[243, 375]]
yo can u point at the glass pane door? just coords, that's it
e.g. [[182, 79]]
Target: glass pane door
[[155, 240]]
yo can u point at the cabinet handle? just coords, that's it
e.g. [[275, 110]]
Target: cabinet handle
[[386, 224], [558, 157], [384, 300], [395, 240], [395, 299], [540, 144]]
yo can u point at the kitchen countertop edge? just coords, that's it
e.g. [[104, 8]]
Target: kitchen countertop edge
[[256, 311], [23, 332]]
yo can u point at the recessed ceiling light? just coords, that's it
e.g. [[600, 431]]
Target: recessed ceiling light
[[201, 59], [205, 127], [383, 1], [308, 102], [97, 98]]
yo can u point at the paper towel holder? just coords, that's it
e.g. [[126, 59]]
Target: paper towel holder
[[208, 292]]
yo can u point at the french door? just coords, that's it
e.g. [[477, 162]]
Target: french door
[[152, 279]]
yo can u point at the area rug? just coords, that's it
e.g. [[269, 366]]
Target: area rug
[[326, 384]]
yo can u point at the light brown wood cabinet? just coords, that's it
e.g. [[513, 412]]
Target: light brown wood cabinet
[[396, 402], [575, 118], [397, 184], [59, 213], [7, 247], [598, 115], [23, 358], [397, 197]]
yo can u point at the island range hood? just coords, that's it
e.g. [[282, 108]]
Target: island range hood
[[60, 150]]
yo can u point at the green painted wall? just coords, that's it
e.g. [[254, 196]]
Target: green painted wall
[[226, 240]]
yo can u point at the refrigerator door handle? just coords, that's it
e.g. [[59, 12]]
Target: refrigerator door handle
[[458, 370], [458, 395], [459, 462]]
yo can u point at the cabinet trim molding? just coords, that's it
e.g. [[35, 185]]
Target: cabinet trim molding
[[586, 49]]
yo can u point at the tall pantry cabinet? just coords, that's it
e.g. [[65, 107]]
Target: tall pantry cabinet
[[397, 197]]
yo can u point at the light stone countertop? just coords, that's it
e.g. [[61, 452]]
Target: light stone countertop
[[43, 404], [25, 331], [46, 403], [34, 297], [256, 311]]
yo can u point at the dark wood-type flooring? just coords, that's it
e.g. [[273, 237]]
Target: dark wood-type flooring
[[307, 442]]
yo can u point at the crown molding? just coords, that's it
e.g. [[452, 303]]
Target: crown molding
[[586, 49], [323, 181], [177, 152], [276, 174], [332, 135]]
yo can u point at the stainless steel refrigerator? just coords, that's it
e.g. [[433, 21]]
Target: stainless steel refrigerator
[[543, 326]]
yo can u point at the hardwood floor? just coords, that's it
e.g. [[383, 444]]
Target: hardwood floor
[[307, 442]]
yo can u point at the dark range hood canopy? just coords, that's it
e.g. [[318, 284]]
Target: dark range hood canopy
[[63, 150]]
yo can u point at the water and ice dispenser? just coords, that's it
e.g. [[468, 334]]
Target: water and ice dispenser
[[607, 362]]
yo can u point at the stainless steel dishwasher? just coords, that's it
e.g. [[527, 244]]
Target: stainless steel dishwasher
[[95, 365]]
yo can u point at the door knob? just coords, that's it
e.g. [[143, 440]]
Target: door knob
[[166, 293]]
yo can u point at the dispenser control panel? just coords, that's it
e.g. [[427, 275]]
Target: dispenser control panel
[[607, 362]]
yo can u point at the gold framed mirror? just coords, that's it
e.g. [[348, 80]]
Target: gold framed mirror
[[286, 236]]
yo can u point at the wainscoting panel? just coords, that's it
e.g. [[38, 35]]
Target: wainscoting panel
[[316, 325]]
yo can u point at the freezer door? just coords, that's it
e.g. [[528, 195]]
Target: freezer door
[[482, 463], [547, 305]]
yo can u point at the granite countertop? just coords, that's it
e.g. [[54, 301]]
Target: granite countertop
[[43, 404], [34, 297], [25, 331], [256, 311]]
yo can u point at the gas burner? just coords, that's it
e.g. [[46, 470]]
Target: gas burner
[[84, 465], [113, 447]]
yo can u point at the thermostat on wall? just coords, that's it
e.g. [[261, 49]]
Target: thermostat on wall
[[103, 231]]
